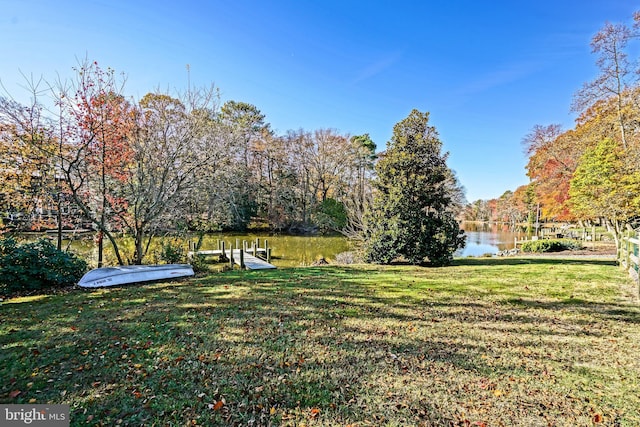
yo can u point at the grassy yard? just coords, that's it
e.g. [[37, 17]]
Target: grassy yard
[[486, 342]]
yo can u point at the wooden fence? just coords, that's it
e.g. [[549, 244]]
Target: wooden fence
[[628, 255]]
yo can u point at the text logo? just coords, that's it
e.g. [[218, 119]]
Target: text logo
[[34, 415]]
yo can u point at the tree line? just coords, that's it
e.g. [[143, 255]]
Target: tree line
[[592, 171], [83, 154]]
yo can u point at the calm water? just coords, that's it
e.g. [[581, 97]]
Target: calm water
[[487, 239], [286, 251], [293, 251]]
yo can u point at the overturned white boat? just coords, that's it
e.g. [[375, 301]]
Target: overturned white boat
[[126, 274]]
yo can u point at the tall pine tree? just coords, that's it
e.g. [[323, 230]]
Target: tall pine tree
[[413, 209]]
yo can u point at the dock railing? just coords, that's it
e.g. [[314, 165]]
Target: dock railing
[[247, 257], [583, 234]]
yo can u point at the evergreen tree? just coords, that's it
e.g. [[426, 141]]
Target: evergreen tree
[[413, 209]]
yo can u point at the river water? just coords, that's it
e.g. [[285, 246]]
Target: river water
[[286, 250], [485, 239], [293, 251]]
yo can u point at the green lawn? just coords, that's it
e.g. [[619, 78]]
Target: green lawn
[[530, 342]]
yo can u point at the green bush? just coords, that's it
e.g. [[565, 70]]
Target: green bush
[[172, 252], [36, 265], [331, 216], [199, 264], [572, 245], [540, 246]]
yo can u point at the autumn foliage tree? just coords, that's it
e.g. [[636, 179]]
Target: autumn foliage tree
[[28, 172], [174, 142], [26, 177], [607, 185], [616, 75], [553, 157], [591, 172], [94, 124]]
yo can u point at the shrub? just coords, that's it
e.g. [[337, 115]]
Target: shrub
[[199, 264], [172, 252], [331, 216], [540, 246], [37, 265], [572, 245], [346, 258]]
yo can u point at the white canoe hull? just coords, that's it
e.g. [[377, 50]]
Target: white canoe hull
[[123, 275]]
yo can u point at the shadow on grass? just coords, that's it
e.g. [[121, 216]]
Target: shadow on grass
[[275, 345], [610, 311], [532, 260]]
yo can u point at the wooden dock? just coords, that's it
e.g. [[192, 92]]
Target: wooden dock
[[573, 234], [250, 262], [251, 258]]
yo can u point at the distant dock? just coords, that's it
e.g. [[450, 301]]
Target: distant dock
[[250, 258], [570, 234]]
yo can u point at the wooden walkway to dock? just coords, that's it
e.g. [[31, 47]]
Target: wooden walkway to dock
[[250, 261]]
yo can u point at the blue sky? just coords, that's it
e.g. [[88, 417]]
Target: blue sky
[[486, 71]]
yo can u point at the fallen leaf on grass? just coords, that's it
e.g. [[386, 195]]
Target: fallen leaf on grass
[[216, 406], [315, 412], [597, 418], [14, 394]]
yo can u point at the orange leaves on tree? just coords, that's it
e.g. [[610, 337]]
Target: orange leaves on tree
[[553, 157], [106, 123]]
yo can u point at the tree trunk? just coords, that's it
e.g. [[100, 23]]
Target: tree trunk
[[614, 228], [114, 244], [59, 219], [100, 247]]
